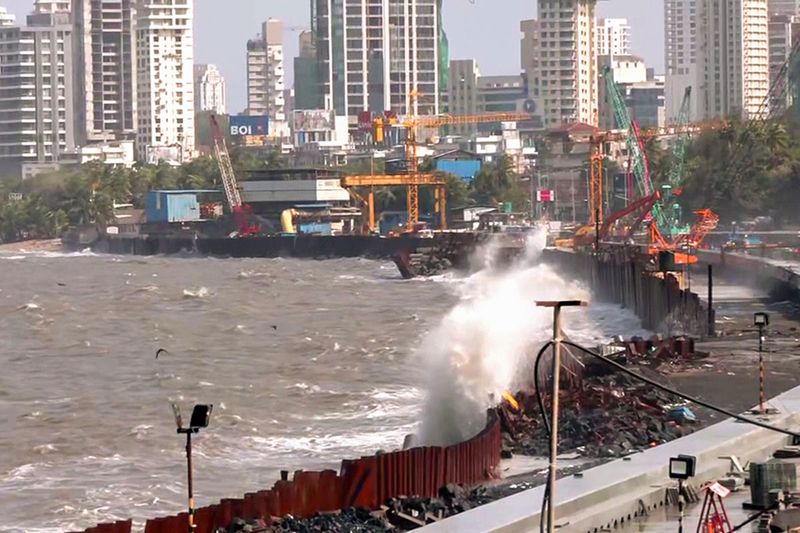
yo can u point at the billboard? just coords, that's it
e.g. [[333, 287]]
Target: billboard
[[243, 125], [313, 120]]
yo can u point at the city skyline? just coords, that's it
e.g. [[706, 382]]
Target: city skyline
[[243, 18]]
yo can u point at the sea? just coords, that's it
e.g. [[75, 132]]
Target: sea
[[305, 363]]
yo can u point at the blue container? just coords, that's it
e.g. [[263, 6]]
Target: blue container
[[172, 206]]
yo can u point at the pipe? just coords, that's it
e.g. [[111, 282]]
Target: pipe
[[287, 221]]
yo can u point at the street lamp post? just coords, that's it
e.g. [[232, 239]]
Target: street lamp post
[[201, 415], [761, 321], [551, 481]]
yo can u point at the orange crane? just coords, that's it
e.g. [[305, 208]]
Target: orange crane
[[597, 156], [414, 179]]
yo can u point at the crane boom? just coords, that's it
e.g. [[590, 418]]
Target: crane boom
[[225, 166], [450, 120], [667, 211], [632, 141], [242, 214]]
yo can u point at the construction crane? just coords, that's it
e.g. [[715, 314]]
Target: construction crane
[[667, 212], [585, 236], [413, 122], [242, 213], [414, 179], [624, 122], [409, 181]]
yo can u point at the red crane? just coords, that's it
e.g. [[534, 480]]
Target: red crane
[[242, 213]]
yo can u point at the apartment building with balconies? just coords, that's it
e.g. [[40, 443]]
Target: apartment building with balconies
[[568, 61], [36, 90], [165, 80]]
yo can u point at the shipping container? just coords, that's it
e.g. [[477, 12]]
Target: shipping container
[[172, 206]]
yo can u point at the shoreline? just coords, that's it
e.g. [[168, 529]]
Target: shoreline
[[33, 245]]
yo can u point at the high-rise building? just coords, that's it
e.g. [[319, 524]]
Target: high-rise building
[[736, 30], [257, 76], [462, 93], [530, 55], [36, 91], [613, 37], [265, 73], [681, 55], [642, 93], [569, 68], [381, 55], [105, 69], [784, 7], [51, 6], [784, 30], [6, 18], [165, 79], [209, 89], [307, 90], [719, 48]]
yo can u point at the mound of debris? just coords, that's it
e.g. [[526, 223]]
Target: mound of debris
[[604, 415], [396, 515]]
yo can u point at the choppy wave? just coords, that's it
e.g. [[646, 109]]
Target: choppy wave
[[284, 398]]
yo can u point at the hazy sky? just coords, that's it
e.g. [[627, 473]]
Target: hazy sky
[[487, 30]]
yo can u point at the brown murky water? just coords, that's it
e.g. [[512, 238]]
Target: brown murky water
[[306, 363]]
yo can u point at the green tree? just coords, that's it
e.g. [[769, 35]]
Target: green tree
[[492, 181]]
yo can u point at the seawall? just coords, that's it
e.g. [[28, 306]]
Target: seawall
[[657, 299]]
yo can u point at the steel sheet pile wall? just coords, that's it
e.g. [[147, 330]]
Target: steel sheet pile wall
[[659, 302], [365, 483], [123, 526]]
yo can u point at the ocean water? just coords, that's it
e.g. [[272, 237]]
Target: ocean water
[[306, 363]]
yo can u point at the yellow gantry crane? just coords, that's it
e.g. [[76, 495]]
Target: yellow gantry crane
[[414, 179]]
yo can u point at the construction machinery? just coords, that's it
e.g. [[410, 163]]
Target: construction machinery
[[414, 179], [590, 235], [409, 181], [667, 213], [242, 213], [666, 233]]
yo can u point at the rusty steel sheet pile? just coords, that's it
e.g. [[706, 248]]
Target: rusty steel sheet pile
[[365, 483]]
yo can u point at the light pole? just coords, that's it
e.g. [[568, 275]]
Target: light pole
[[761, 321], [681, 468], [551, 481], [201, 415]]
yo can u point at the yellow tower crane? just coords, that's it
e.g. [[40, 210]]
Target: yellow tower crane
[[414, 179]]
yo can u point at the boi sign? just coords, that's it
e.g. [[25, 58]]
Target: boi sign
[[244, 125]]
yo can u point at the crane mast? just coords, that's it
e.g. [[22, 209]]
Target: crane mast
[[667, 212], [241, 213], [624, 122], [225, 166]]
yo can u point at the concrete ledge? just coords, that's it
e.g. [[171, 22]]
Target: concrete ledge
[[609, 495]]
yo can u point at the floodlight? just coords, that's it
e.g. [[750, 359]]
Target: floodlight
[[682, 467]]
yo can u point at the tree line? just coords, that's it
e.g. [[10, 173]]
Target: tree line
[[46, 205], [739, 170]]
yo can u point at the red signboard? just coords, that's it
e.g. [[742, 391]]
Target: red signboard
[[365, 121], [545, 195]]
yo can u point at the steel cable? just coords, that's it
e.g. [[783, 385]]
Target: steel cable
[[546, 497]]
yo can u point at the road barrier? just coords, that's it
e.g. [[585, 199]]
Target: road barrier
[[367, 482]]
